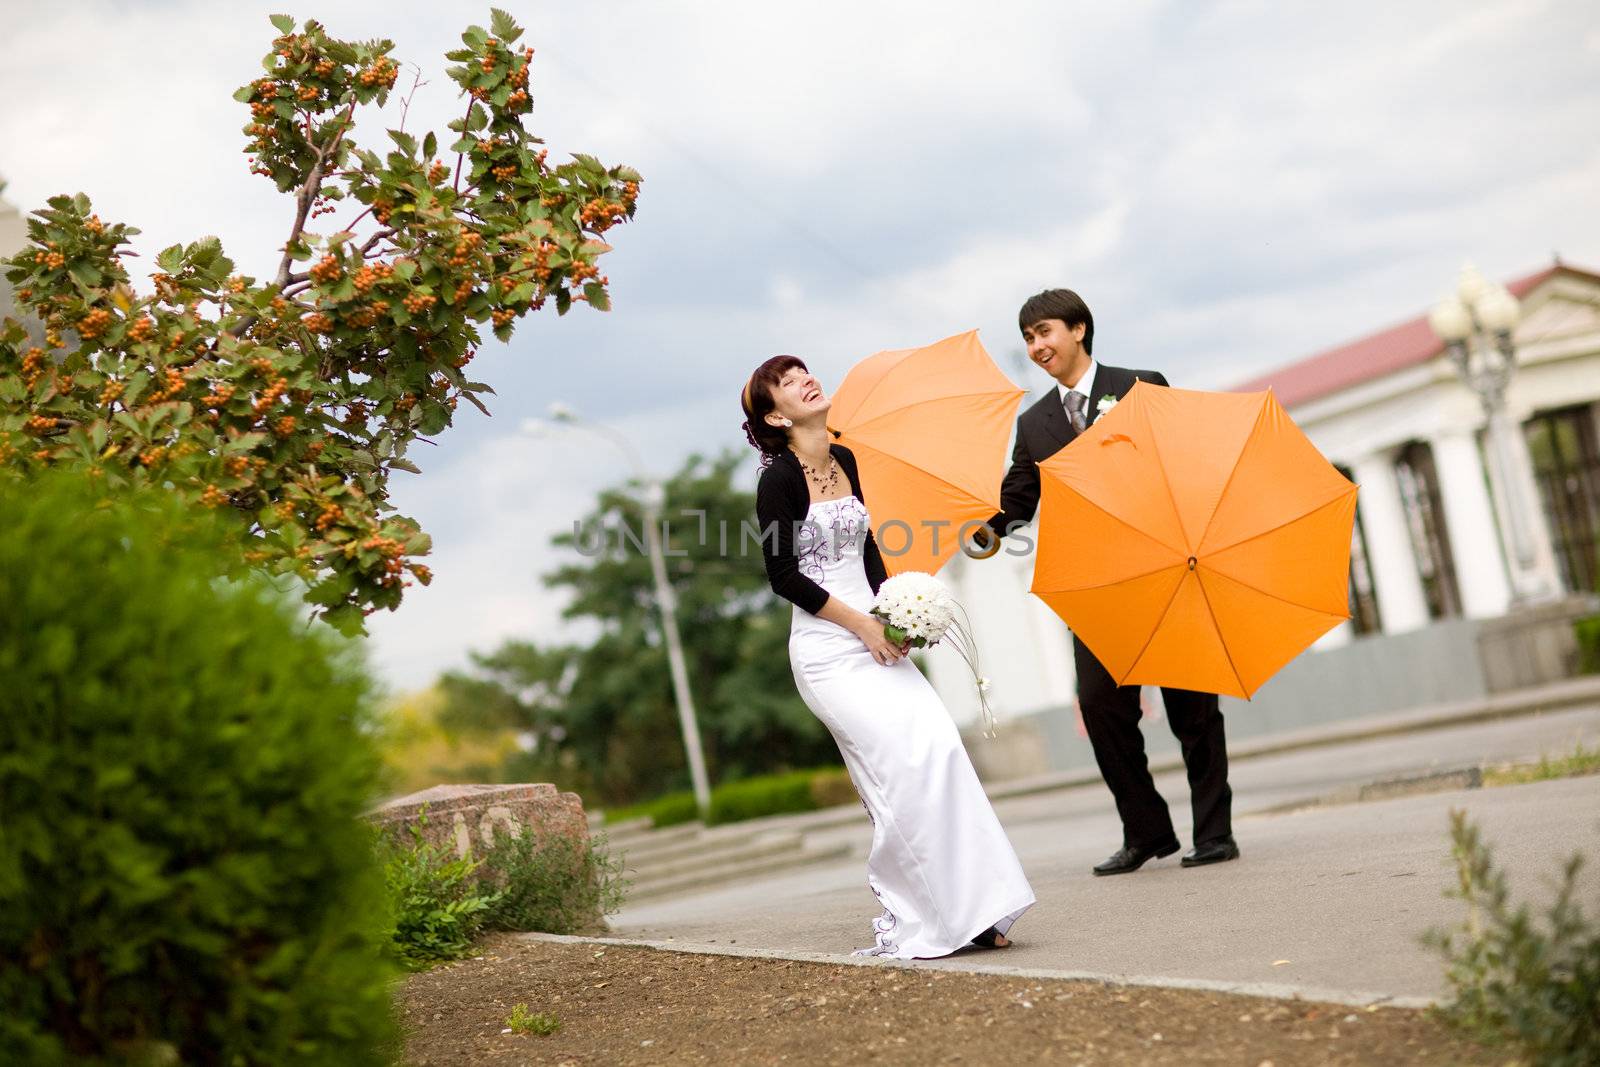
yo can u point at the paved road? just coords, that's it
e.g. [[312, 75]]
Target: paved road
[[1342, 893]]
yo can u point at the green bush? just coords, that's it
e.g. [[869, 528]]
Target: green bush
[[438, 904], [1513, 982], [668, 810], [554, 884], [184, 874], [1588, 631], [751, 798]]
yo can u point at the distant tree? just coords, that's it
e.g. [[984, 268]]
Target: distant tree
[[289, 402], [602, 715]]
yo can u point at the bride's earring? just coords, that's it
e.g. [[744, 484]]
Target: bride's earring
[[787, 423]]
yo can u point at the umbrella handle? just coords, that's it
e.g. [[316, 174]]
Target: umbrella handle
[[1112, 438], [836, 433]]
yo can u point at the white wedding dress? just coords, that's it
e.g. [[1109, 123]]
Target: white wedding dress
[[941, 865]]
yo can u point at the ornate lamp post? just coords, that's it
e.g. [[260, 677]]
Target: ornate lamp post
[[651, 500], [1475, 323]]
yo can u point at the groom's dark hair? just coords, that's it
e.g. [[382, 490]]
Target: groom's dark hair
[[1061, 304]]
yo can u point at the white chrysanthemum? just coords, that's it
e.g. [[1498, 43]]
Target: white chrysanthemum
[[918, 604]]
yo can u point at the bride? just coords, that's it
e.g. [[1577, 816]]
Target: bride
[[940, 863]]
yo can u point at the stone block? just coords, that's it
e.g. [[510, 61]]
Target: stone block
[[466, 819]]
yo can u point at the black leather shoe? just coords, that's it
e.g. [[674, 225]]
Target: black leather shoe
[[1218, 851], [1128, 858]]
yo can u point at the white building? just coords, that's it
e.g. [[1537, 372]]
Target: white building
[[1441, 610]]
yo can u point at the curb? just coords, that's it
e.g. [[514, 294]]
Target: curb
[[1265, 990]]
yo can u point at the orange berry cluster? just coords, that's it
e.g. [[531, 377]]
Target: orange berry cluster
[[236, 466], [466, 247], [213, 497], [424, 575], [332, 514], [50, 260], [518, 101], [39, 424], [94, 225], [371, 275], [323, 68], [405, 403], [463, 290], [110, 393], [327, 269], [419, 303], [505, 172], [152, 456], [601, 214], [33, 364], [270, 396], [94, 324], [382, 208], [438, 172], [172, 386], [317, 322], [383, 72], [142, 329], [503, 316], [284, 426]]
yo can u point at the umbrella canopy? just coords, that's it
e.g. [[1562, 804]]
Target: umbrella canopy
[[929, 428], [1194, 540]]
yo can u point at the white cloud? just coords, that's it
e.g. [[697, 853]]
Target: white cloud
[[1231, 186]]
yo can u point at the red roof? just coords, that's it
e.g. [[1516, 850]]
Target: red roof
[[1407, 345]]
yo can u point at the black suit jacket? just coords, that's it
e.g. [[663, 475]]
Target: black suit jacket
[[1042, 431]]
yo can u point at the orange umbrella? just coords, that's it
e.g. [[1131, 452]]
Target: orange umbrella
[[929, 428], [1194, 540]]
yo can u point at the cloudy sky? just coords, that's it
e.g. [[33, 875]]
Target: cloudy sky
[[1231, 186]]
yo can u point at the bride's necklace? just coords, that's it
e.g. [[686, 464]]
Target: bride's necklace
[[826, 482]]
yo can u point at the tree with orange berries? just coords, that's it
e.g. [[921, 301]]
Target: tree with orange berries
[[288, 402]]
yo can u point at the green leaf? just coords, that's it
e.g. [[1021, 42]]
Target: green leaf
[[346, 619], [459, 55], [170, 258], [563, 301], [85, 274], [474, 37], [505, 27], [477, 118], [597, 296], [430, 145], [284, 23], [244, 93], [406, 142]]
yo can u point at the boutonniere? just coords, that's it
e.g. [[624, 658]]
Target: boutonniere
[[1106, 403]]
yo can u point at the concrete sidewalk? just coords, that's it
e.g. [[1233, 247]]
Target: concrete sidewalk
[[1331, 900]]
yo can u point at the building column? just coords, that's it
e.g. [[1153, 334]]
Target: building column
[[1469, 516], [1534, 574], [1401, 603]]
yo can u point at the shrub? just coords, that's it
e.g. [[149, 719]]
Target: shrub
[[437, 903], [553, 884], [1513, 982], [669, 810], [183, 870], [524, 1021], [1588, 631], [776, 794]]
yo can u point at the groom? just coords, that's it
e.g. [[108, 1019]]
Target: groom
[[1059, 332]]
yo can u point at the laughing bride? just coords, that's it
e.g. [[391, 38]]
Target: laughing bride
[[940, 865]]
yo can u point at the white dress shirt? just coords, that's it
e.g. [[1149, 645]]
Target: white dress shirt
[[1085, 386]]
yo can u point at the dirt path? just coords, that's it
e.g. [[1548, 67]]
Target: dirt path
[[643, 1006]]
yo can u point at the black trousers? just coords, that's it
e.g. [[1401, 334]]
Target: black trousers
[[1111, 715]]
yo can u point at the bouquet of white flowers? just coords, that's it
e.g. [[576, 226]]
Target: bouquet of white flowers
[[916, 607]]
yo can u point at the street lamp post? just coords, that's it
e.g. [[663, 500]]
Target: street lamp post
[[652, 499], [1475, 323]]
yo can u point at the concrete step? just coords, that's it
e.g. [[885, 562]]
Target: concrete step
[[637, 838], [626, 830], [658, 867], [722, 839], [720, 874]]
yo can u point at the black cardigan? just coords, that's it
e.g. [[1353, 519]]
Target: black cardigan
[[783, 498]]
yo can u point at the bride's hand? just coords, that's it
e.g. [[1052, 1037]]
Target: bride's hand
[[883, 650]]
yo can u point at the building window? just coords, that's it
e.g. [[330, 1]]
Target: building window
[[1363, 590], [1430, 541], [1565, 447]]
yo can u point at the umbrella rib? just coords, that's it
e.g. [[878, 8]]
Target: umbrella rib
[[1120, 581], [913, 403], [1211, 520], [1223, 641], [920, 470], [1153, 630], [1118, 518], [1273, 596], [1274, 529]]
